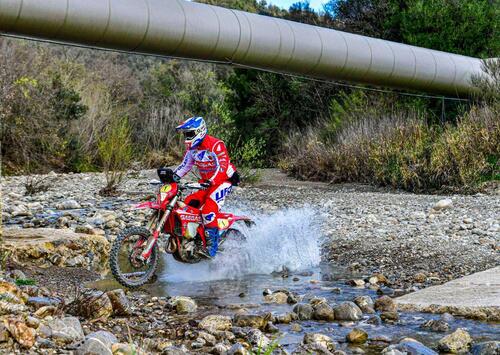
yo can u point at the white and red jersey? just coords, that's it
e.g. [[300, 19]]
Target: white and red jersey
[[211, 159]]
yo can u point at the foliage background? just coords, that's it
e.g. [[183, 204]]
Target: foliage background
[[56, 102]]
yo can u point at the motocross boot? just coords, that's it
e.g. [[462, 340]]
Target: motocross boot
[[213, 238]]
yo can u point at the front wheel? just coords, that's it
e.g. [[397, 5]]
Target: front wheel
[[126, 266]]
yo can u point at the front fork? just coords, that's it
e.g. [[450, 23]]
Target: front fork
[[146, 253]]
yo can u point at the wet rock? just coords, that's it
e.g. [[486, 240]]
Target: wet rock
[[458, 341], [389, 316], [251, 320], [20, 331], [357, 283], [91, 305], [323, 311], [68, 205], [318, 342], [486, 348], [304, 311], [385, 304], [443, 204], [348, 311], [436, 326], [374, 320], [276, 297], [357, 336], [414, 347], [258, 339], [446, 317], [66, 330], [285, 318], [183, 305], [295, 327], [124, 349], [237, 349], [386, 291], [99, 342], [215, 322], [365, 303], [271, 328], [292, 298]]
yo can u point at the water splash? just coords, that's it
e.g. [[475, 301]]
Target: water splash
[[287, 238]]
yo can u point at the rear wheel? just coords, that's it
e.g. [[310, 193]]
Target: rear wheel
[[126, 266]]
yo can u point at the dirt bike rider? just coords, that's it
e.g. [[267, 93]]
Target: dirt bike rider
[[210, 156]]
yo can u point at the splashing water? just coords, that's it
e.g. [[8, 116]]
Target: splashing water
[[288, 238]]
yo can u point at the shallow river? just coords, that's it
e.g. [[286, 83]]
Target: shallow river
[[291, 238]]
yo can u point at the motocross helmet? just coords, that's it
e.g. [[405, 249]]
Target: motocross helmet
[[194, 130]]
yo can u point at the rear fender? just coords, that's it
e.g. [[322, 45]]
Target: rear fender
[[226, 220]]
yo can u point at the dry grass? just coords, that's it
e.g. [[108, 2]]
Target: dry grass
[[402, 151]]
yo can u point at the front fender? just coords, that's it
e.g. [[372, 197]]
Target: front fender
[[148, 204]]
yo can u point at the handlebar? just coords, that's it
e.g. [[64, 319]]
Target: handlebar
[[193, 185], [184, 186]]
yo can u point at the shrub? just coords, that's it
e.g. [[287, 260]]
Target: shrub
[[34, 184], [402, 151], [115, 153]]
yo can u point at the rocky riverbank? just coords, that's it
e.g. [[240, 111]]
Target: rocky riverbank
[[393, 242]]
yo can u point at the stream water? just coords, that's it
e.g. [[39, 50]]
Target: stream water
[[291, 238]]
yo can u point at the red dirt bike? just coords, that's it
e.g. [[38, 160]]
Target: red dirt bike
[[134, 254]]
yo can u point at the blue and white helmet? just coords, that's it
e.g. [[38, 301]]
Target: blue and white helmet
[[194, 130]]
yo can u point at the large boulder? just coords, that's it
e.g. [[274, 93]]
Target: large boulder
[[348, 311], [458, 341], [65, 330], [213, 323], [91, 305], [59, 247]]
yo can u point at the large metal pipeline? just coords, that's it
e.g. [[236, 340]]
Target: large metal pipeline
[[197, 31]]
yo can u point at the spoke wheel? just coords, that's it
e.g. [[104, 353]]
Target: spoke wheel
[[124, 260]]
